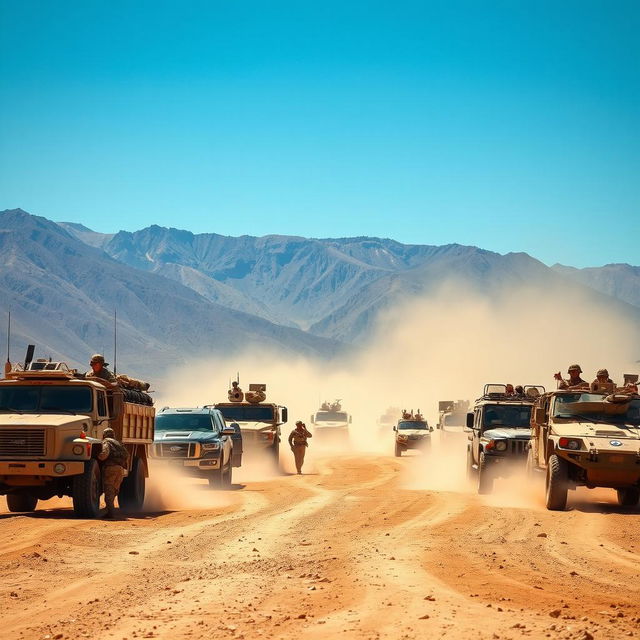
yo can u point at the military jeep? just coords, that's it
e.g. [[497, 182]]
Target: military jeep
[[586, 438], [499, 428]]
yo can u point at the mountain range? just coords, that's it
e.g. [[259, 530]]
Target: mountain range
[[181, 295]]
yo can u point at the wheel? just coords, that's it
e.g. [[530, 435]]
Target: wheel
[[131, 495], [398, 450], [557, 483], [485, 476], [227, 477], [470, 470], [216, 478], [530, 466], [627, 497], [21, 502], [86, 491]]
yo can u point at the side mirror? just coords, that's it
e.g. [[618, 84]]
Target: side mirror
[[229, 430], [539, 415], [284, 414], [469, 420], [430, 428], [395, 428]]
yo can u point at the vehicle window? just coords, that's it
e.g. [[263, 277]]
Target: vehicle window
[[518, 416], [595, 407], [184, 422], [455, 420], [49, 398], [243, 413], [102, 404], [331, 416], [412, 424]]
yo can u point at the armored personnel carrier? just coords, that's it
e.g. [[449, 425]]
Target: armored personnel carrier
[[412, 432], [499, 429], [330, 420], [259, 421], [51, 424], [587, 438], [452, 419]]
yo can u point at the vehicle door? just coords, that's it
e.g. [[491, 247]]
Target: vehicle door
[[477, 432]]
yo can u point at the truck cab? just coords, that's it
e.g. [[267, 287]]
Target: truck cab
[[499, 428], [198, 441]]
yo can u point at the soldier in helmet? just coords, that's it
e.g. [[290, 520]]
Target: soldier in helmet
[[114, 457], [298, 443], [574, 381], [602, 377], [99, 368]]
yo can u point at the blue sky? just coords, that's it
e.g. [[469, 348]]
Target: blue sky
[[514, 126]]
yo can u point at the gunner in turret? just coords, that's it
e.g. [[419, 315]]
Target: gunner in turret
[[99, 369]]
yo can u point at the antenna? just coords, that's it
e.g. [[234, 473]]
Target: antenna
[[7, 366], [115, 341]]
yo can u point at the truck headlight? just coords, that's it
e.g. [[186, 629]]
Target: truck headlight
[[59, 468], [210, 446], [501, 445], [78, 449], [570, 443]]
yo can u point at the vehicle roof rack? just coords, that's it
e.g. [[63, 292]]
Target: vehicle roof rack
[[496, 391]]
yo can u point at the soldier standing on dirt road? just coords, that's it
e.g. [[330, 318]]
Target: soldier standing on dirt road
[[114, 457], [298, 443]]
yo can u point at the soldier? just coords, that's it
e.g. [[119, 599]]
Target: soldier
[[99, 368], [602, 377], [114, 457], [519, 391], [235, 393], [574, 381], [298, 443], [510, 390]]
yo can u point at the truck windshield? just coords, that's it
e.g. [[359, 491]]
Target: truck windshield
[[413, 424], [46, 399], [518, 416], [184, 422], [243, 413], [455, 420], [592, 406], [331, 416]]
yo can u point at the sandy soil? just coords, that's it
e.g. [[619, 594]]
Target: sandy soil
[[363, 546]]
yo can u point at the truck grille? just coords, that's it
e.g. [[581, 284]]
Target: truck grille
[[175, 450], [22, 442], [519, 447]]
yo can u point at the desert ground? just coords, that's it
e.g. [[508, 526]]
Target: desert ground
[[363, 545]]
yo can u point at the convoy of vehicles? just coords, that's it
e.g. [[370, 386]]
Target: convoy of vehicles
[[411, 432], [51, 425], [198, 441], [587, 438], [259, 421], [499, 429]]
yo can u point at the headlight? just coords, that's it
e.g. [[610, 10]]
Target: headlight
[[78, 449], [59, 468], [210, 446], [501, 445], [570, 443]]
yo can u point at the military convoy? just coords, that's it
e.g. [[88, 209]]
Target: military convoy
[[499, 429], [587, 437], [198, 441], [259, 421], [51, 424], [411, 432]]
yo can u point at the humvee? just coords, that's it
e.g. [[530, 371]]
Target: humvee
[[587, 438], [330, 420], [412, 432], [499, 429]]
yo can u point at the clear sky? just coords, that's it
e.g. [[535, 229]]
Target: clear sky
[[510, 125]]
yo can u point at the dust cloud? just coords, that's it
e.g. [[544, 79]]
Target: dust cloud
[[444, 346]]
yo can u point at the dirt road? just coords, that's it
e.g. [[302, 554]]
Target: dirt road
[[356, 549]]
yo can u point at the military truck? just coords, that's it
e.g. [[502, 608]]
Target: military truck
[[388, 420], [259, 421], [51, 425], [331, 421], [587, 438], [412, 432], [452, 419], [499, 428], [198, 441]]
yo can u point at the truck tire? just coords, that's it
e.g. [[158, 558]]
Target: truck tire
[[627, 497], [227, 478], [529, 468], [216, 478], [485, 476], [470, 470], [86, 490], [557, 484], [131, 495], [21, 502], [398, 450]]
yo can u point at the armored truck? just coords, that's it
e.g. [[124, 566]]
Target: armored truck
[[51, 425], [499, 428], [330, 420], [412, 432], [259, 421], [587, 438], [198, 441]]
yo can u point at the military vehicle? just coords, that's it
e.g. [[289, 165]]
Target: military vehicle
[[388, 420], [587, 438], [452, 419], [198, 441], [499, 428], [259, 421], [412, 432], [331, 421], [51, 425]]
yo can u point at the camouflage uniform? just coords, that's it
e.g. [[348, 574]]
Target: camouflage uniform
[[298, 443], [574, 382], [114, 457], [103, 373]]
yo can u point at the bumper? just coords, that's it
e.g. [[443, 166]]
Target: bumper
[[607, 468], [413, 444], [40, 469], [194, 464]]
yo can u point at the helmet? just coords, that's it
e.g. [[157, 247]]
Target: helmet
[[97, 357], [299, 423], [602, 372], [108, 433], [574, 367]]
